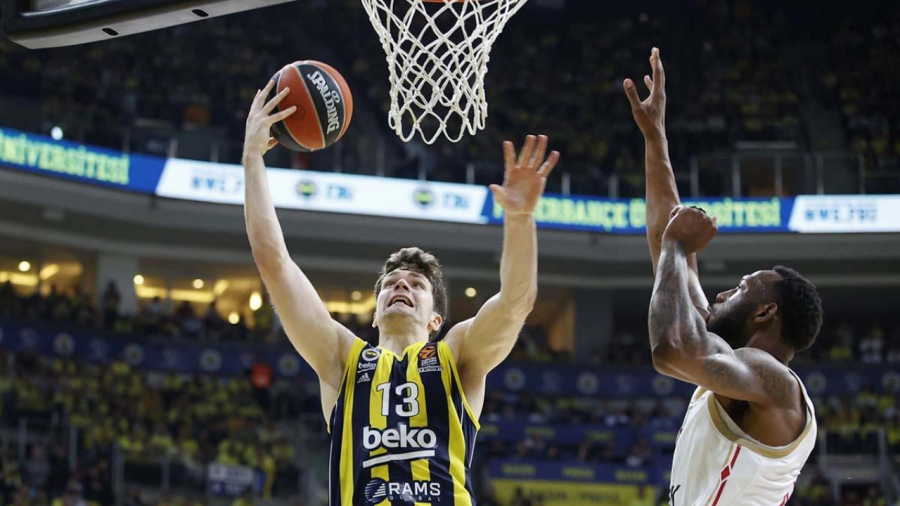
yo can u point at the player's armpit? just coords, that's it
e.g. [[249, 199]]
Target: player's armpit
[[746, 374], [481, 343]]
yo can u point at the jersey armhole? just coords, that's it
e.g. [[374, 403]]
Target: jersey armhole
[[352, 360], [452, 361]]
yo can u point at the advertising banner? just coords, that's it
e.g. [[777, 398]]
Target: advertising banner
[[628, 216], [425, 200], [565, 485], [560, 378], [154, 354], [570, 434], [328, 192], [226, 480], [836, 214], [589, 381], [86, 164]]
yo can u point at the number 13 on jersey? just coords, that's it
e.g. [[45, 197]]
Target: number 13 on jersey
[[410, 394]]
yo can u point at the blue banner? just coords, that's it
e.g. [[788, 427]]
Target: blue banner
[[449, 202], [621, 438], [87, 164], [162, 355], [550, 378], [552, 471], [606, 381], [628, 216]]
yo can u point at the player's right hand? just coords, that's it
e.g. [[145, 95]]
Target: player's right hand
[[650, 114], [257, 139], [691, 228]]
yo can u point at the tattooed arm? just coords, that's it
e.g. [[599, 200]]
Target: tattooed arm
[[662, 190], [684, 349]]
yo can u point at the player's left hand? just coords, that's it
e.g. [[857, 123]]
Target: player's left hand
[[691, 228], [650, 114], [524, 178], [257, 139]]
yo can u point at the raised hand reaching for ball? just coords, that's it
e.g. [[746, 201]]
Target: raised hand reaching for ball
[[257, 138]]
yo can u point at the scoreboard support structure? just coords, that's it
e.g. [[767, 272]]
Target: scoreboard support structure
[[39, 24]]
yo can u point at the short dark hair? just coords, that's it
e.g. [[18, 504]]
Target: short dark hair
[[424, 263], [800, 307]]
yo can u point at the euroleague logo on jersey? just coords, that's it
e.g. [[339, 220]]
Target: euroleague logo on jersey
[[428, 351], [428, 360]]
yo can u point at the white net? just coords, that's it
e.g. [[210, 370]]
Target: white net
[[437, 55]]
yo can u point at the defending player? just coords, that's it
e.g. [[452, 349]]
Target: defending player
[[750, 425], [403, 415]]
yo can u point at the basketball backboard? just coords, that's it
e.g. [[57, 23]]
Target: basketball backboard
[[38, 24]]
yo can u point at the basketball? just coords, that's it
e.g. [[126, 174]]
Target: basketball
[[324, 106]]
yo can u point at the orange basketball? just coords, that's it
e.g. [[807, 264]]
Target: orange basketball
[[324, 106]]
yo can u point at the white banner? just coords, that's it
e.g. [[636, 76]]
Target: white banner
[[230, 480], [845, 214], [329, 192]]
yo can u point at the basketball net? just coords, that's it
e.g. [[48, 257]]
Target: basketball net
[[437, 55]]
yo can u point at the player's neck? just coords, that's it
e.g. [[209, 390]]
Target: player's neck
[[397, 340], [773, 345]]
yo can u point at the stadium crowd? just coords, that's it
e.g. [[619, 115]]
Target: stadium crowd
[[839, 342], [731, 80], [198, 420], [865, 56], [190, 420]]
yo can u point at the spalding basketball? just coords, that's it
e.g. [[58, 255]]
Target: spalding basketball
[[324, 106]]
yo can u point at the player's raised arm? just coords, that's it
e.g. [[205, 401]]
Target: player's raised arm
[[481, 343], [662, 191], [681, 345], [321, 341]]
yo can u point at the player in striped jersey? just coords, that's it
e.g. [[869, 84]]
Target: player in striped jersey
[[402, 415], [750, 425]]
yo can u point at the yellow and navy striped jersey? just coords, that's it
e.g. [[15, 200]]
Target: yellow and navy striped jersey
[[402, 432]]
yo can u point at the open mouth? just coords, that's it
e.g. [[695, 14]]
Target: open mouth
[[400, 299]]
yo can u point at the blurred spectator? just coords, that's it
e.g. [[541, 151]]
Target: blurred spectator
[[874, 497], [71, 497], [644, 497], [10, 477], [37, 469], [870, 348], [851, 498], [111, 301], [59, 469], [842, 350], [98, 486], [639, 454]]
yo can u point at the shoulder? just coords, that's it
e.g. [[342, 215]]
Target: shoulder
[[454, 338], [773, 377]]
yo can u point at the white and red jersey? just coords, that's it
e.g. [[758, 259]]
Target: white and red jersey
[[717, 464]]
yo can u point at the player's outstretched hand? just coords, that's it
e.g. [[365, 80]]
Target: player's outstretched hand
[[691, 228], [257, 139], [525, 177], [650, 114]]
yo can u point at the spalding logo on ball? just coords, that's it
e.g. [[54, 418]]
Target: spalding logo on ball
[[324, 106]]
